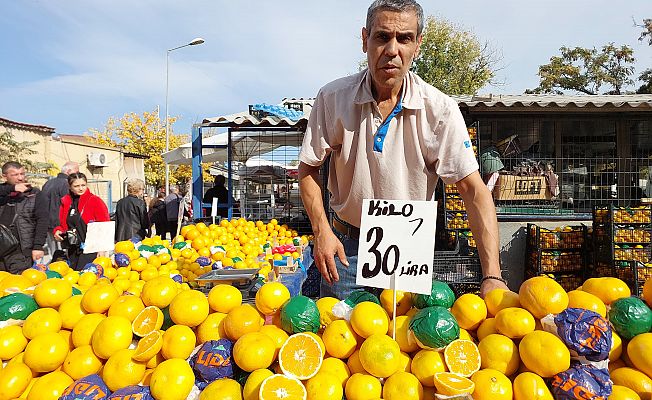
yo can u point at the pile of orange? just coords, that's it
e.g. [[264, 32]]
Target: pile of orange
[[145, 333], [237, 243]]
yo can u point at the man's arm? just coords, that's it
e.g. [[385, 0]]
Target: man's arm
[[484, 225], [326, 243]]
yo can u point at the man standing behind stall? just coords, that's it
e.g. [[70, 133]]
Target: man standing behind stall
[[18, 213], [389, 135]]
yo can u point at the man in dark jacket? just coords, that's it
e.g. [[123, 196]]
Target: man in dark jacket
[[131, 213], [222, 193], [18, 212], [52, 192]]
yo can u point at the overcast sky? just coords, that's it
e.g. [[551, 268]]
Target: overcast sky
[[73, 64]]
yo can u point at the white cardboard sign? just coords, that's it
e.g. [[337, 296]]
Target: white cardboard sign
[[397, 237], [100, 236]]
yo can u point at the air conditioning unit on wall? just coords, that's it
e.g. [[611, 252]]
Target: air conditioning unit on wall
[[97, 160]]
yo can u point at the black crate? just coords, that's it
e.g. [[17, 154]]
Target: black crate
[[453, 202], [633, 273], [557, 251], [564, 238], [610, 214], [463, 241], [456, 269], [568, 280], [552, 261], [457, 220], [464, 288], [621, 235]]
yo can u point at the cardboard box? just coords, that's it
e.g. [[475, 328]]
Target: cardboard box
[[512, 187]]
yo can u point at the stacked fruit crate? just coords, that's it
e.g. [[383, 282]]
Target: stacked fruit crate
[[622, 240], [560, 253], [456, 221]]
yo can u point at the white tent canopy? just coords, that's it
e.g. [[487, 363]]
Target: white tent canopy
[[245, 145]]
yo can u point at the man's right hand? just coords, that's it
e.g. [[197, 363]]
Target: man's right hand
[[22, 187], [326, 247], [57, 236]]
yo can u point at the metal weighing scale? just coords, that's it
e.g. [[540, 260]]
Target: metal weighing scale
[[242, 279]]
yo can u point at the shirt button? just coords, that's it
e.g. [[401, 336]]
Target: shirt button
[[378, 140], [377, 120]]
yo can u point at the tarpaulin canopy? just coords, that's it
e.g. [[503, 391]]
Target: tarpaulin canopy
[[245, 144]]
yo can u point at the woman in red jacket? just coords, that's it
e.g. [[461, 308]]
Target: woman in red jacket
[[79, 208]]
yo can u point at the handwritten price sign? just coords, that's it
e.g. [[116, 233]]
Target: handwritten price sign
[[397, 239]]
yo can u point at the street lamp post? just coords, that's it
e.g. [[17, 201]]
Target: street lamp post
[[194, 42]]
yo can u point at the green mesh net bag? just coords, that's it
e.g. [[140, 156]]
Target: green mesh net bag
[[434, 327], [440, 295], [300, 314], [630, 316]]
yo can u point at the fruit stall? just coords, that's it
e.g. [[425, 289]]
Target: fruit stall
[[142, 324]]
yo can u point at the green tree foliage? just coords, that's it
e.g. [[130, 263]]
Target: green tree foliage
[[647, 30], [646, 76], [144, 134], [453, 59], [13, 150], [588, 70]]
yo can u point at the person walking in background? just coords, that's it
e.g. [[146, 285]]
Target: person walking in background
[[50, 198], [156, 213], [173, 202], [131, 213], [78, 208], [18, 212]]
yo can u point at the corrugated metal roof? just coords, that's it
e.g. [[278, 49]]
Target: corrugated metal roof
[[639, 101], [244, 119], [642, 102]]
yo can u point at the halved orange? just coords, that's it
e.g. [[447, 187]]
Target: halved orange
[[148, 346], [300, 356], [462, 357], [281, 387], [450, 384], [149, 320]]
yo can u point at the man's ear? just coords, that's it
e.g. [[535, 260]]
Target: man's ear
[[365, 37], [416, 52]]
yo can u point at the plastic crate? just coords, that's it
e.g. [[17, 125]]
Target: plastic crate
[[456, 220], [622, 215], [464, 288], [563, 238], [569, 281], [463, 241], [456, 269], [544, 261], [452, 189], [453, 202], [634, 274], [473, 132]]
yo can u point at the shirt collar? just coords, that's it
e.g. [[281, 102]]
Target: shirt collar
[[412, 96]]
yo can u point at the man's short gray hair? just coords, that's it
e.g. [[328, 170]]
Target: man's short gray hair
[[70, 167], [396, 6], [134, 186]]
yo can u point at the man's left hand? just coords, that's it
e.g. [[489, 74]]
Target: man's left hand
[[490, 284], [37, 255]]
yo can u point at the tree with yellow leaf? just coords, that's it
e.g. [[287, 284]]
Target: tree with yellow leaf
[[145, 134]]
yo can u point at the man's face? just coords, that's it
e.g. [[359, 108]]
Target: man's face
[[391, 45], [15, 176]]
